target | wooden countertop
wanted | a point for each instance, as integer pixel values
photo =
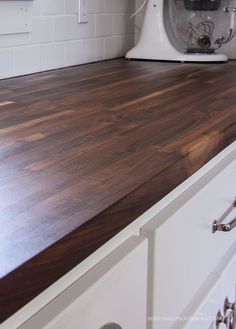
(85, 150)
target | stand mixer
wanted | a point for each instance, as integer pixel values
(185, 30)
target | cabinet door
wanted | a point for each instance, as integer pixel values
(113, 292)
(184, 251)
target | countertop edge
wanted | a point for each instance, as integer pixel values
(30, 279)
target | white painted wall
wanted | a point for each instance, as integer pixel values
(57, 40)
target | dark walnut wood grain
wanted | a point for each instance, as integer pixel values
(85, 150)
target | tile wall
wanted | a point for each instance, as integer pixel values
(57, 40)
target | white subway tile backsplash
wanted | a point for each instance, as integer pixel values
(36, 7)
(94, 50)
(74, 52)
(13, 40)
(42, 29)
(52, 56)
(103, 26)
(121, 24)
(116, 46)
(113, 47)
(127, 43)
(6, 63)
(71, 7)
(119, 6)
(96, 6)
(65, 27)
(57, 40)
(87, 30)
(27, 59)
(52, 7)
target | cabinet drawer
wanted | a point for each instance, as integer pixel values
(183, 251)
(224, 286)
(113, 291)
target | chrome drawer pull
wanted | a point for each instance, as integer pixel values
(229, 306)
(111, 326)
(228, 320)
(217, 225)
(223, 227)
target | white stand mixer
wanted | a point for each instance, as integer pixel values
(157, 41)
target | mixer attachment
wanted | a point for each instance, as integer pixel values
(200, 37)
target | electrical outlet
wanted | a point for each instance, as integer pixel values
(82, 11)
(15, 17)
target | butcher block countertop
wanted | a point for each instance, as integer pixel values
(85, 150)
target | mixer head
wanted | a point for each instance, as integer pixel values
(202, 5)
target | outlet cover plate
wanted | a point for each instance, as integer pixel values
(82, 11)
(15, 17)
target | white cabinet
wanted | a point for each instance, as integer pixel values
(114, 291)
(224, 286)
(183, 251)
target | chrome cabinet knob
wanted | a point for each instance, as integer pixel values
(228, 320)
(111, 326)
